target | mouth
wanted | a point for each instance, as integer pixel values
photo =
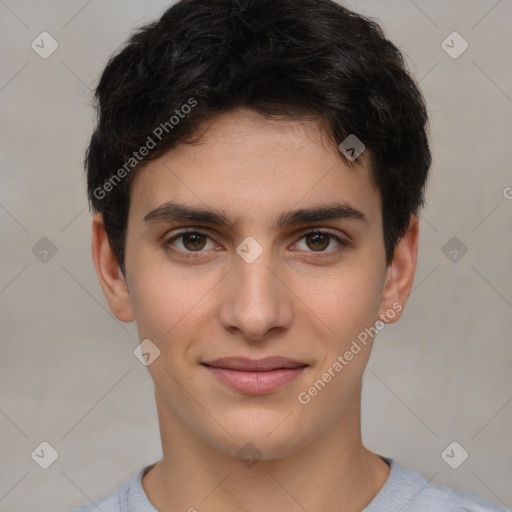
(255, 376)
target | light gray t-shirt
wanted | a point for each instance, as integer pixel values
(404, 491)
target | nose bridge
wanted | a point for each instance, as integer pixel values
(256, 279)
(256, 299)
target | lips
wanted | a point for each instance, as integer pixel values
(255, 376)
(255, 365)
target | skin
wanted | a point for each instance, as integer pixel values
(286, 302)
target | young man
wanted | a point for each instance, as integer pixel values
(256, 174)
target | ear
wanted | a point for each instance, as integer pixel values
(110, 276)
(400, 274)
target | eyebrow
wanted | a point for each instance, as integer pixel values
(172, 212)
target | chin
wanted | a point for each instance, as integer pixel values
(265, 435)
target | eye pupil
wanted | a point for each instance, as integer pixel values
(192, 240)
(316, 239)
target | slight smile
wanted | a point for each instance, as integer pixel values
(255, 376)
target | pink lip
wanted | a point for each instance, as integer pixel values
(255, 376)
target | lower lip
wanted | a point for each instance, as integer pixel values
(256, 383)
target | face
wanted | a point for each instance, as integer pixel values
(258, 243)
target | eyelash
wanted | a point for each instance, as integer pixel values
(343, 244)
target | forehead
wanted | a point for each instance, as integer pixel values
(248, 165)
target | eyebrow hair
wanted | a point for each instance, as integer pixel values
(171, 212)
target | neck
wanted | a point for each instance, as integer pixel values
(334, 472)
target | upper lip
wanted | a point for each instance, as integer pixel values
(255, 365)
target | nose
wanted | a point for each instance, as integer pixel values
(256, 300)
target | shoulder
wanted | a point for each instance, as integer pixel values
(409, 491)
(120, 500)
(439, 498)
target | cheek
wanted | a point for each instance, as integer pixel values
(345, 300)
(171, 304)
(158, 302)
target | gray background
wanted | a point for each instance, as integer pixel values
(68, 374)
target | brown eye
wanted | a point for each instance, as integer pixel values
(322, 244)
(189, 243)
(318, 241)
(194, 241)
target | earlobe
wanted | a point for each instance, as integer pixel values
(111, 278)
(400, 274)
